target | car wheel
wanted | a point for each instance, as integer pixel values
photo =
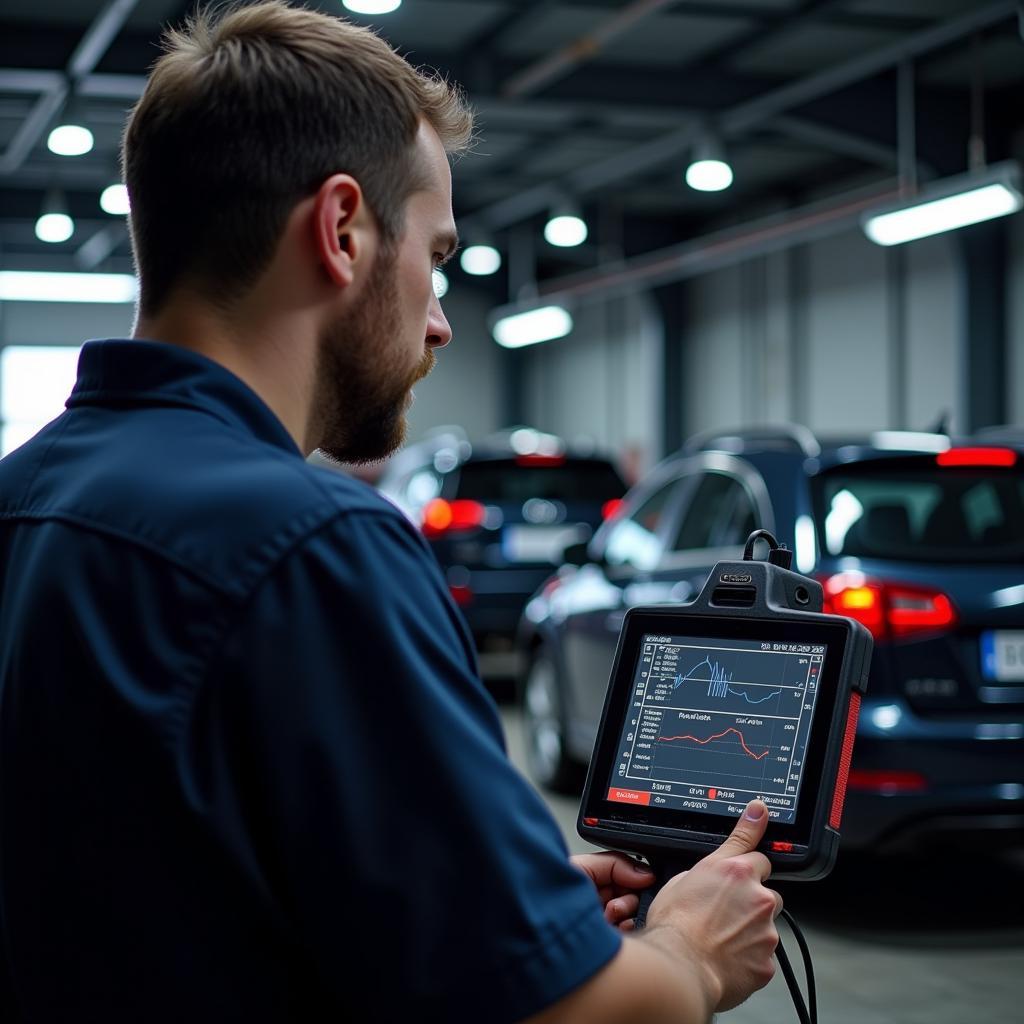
(547, 758)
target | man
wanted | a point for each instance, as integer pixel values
(247, 769)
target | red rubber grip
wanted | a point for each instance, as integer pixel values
(839, 795)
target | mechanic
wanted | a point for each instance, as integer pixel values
(248, 771)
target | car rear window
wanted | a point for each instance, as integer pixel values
(506, 480)
(912, 511)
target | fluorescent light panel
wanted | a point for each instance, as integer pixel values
(532, 327)
(31, 286)
(946, 206)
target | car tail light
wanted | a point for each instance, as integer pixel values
(540, 460)
(889, 611)
(887, 781)
(441, 517)
(610, 507)
(1005, 457)
(461, 595)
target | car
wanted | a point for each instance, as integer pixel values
(498, 514)
(918, 536)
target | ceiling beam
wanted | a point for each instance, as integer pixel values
(742, 117)
(84, 59)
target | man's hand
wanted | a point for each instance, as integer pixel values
(617, 879)
(724, 913)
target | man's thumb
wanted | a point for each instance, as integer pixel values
(748, 832)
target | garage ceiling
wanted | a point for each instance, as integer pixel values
(595, 100)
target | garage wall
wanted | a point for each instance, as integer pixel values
(62, 323)
(841, 335)
(464, 387)
(602, 383)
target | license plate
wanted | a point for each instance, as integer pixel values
(537, 543)
(1002, 655)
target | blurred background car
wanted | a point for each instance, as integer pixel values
(498, 514)
(918, 537)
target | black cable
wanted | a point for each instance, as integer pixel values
(805, 953)
(806, 1011)
(748, 550)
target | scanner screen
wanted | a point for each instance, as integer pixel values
(713, 723)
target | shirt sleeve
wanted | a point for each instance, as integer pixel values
(363, 767)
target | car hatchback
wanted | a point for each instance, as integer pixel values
(919, 538)
(498, 515)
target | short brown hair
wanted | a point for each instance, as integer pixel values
(247, 112)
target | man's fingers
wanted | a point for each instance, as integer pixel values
(627, 874)
(748, 832)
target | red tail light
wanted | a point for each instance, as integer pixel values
(540, 460)
(440, 516)
(610, 507)
(1005, 457)
(887, 781)
(889, 611)
(461, 595)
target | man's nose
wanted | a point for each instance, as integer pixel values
(439, 331)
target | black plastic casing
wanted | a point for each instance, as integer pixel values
(741, 600)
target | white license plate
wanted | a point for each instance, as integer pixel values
(1002, 655)
(537, 543)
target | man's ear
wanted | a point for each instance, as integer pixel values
(342, 227)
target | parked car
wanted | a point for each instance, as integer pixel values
(498, 514)
(920, 537)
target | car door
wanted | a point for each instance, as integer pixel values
(722, 511)
(593, 603)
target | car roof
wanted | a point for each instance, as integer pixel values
(833, 450)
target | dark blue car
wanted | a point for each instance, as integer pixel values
(498, 513)
(919, 537)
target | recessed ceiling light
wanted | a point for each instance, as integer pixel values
(372, 6)
(480, 260)
(114, 200)
(70, 140)
(566, 230)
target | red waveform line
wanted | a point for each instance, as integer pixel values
(718, 736)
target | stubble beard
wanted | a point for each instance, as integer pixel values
(363, 384)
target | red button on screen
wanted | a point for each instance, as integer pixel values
(629, 796)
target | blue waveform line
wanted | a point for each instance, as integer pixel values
(718, 683)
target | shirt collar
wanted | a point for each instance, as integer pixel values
(141, 372)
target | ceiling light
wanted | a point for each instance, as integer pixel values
(440, 280)
(29, 286)
(114, 200)
(372, 6)
(54, 225)
(709, 171)
(947, 205)
(70, 140)
(709, 175)
(480, 260)
(532, 327)
(565, 228)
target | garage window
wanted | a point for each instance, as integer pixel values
(35, 381)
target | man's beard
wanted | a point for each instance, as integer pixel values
(362, 384)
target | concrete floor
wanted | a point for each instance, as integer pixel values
(926, 941)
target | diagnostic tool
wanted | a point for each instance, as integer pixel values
(750, 691)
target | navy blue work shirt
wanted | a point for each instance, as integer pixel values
(248, 771)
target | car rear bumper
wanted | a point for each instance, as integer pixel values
(956, 778)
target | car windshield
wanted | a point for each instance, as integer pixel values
(915, 511)
(510, 480)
